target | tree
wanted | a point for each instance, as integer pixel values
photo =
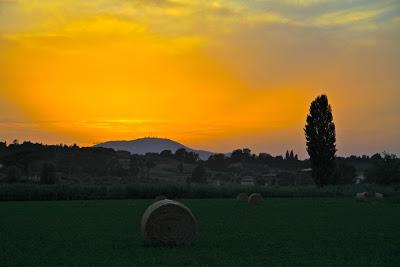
(345, 173)
(237, 155)
(180, 167)
(166, 153)
(191, 157)
(13, 174)
(180, 154)
(134, 167)
(149, 165)
(385, 171)
(217, 162)
(247, 153)
(48, 174)
(241, 154)
(376, 157)
(321, 141)
(199, 174)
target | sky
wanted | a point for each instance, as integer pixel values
(215, 75)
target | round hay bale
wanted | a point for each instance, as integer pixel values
(168, 223)
(242, 197)
(256, 199)
(160, 197)
(363, 196)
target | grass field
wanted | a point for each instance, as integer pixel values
(289, 232)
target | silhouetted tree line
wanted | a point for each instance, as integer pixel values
(181, 155)
(385, 170)
(221, 161)
(291, 156)
(49, 164)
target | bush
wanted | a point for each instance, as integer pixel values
(48, 174)
(19, 192)
(385, 171)
(345, 173)
(199, 175)
(13, 174)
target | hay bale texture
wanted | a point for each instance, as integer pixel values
(242, 197)
(160, 197)
(168, 223)
(363, 196)
(256, 199)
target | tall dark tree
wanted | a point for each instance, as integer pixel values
(321, 141)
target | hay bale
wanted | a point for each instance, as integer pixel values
(242, 197)
(160, 197)
(379, 195)
(363, 196)
(168, 223)
(255, 199)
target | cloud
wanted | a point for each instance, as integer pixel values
(188, 18)
(345, 17)
(306, 3)
(204, 67)
(267, 18)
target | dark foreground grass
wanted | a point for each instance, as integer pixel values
(281, 232)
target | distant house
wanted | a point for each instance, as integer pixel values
(247, 180)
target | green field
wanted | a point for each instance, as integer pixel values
(289, 232)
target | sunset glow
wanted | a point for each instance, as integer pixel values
(214, 75)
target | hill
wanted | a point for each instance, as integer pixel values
(142, 146)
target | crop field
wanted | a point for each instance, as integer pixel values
(282, 231)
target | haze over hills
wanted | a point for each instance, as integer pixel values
(142, 146)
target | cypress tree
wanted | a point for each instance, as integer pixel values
(321, 141)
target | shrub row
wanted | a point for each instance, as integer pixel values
(23, 192)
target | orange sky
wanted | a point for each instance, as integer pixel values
(215, 75)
